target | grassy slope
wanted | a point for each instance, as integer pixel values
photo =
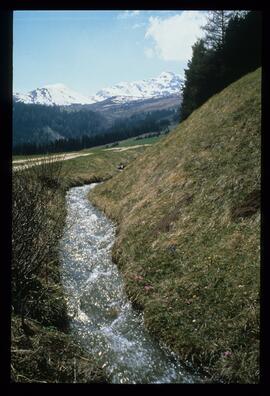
(189, 233)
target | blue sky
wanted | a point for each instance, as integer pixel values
(90, 50)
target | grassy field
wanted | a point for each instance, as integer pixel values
(188, 240)
(135, 142)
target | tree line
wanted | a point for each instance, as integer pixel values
(34, 123)
(78, 130)
(230, 49)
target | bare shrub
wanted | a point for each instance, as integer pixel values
(37, 218)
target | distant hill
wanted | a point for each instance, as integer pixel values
(55, 127)
(39, 124)
(188, 241)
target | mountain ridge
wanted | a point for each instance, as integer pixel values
(165, 85)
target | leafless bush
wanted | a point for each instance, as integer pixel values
(37, 218)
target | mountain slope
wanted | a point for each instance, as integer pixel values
(166, 84)
(188, 236)
(55, 94)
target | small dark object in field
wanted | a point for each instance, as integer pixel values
(250, 205)
(120, 166)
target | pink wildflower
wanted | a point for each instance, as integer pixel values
(148, 287)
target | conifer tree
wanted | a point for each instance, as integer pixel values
(230, 49)
(216, 27)
(202, 78)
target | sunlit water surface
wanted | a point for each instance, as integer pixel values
(102, 317)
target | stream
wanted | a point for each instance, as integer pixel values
(101, 315)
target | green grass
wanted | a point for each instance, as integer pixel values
(100, 165)
(134, 142)
(188, 240)
(127, 142)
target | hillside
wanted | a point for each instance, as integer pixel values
(56, 129)
(189, 233)
(43, 124)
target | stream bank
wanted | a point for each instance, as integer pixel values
(102, 318)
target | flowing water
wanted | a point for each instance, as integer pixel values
(101, 315)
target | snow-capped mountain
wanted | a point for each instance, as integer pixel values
(166, 84)
(55, 94)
